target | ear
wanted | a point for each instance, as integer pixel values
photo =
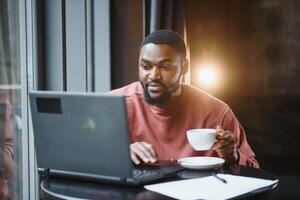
(185, 66)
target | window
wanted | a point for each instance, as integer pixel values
(10, 103)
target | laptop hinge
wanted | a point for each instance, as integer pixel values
(86, 176)
(44, 172)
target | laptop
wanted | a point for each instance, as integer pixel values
(85, 136)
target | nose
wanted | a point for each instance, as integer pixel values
(155, 74)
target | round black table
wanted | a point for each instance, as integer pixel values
(57, 188)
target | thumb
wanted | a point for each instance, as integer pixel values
(219, 128)
(220, 132)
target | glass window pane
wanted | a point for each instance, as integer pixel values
(10, 103)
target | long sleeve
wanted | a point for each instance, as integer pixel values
(246, 155)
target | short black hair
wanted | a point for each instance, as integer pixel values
(168, 37)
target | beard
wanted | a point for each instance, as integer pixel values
(160, 100)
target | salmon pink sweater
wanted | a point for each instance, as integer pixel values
(165, 126)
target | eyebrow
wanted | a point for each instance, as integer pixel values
(163, 61)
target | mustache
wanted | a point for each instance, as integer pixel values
(154, 83)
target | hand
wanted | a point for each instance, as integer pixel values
(225, 145)
(142, 152)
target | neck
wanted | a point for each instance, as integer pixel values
(176, 93)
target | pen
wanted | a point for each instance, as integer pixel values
(219, 178)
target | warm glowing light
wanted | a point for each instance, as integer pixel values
(208, 75)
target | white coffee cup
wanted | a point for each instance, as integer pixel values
(201, 139)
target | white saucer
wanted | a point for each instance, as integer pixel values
(201, 162)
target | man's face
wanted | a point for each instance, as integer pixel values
(160, 71)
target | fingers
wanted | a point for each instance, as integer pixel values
(142, 151)
(224, 135)
(150, 147)
(134, 158)
(225, 144)
(224, 149)
(146, 150)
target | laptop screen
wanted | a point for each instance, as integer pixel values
(81, 132)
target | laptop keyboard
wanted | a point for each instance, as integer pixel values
(145, 174)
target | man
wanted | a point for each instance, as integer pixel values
(6, 146)
(161, 108)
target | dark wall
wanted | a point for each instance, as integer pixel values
(258, 44)
(126, 35)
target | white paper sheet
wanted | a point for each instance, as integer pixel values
(210, 187)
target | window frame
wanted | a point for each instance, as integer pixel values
(27, 36)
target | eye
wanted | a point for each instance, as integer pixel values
(146, 67)
(167, 67)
